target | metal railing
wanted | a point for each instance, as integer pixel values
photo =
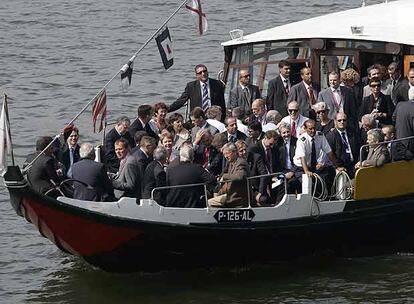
(383, 143)
(277, 174)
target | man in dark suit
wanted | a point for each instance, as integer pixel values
(69, 153)
(233, 193)
(255, 133)
(401, 93)
(340, 99)
(120, 130)
(344, 144)
(141, 123)
(267, 149)
(244, 93)
(146, 148)
(205, 154)
(305, 93)
(186, 173)
(279, 88)
(198, 119)
(42, 174)
(95, 184)
(155, 176)
(404, 123)
(395, 81)
(203, 92)
(129, 177)
(232, 134)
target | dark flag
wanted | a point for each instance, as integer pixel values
(99, 108)
(164, 44)
(126, 73)
(5, 137)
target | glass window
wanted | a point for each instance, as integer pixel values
(330, 64)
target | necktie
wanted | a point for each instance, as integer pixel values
(206, 156)
(347, 157)
(286, 86)
(205, 100)
(232, 139)
(313, 156)
(293, 129)
(246, 95)
(268, 160)
(311, 96)
(71, 155)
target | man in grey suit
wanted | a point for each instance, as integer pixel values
(340, 99)
(305, 93)
(198, 119)
(279, 88)
(244, 93)
(395, 81)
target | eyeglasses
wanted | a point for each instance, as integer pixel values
(341, 120)
(201, 72)
(293, 110)
(374, 85)
(320, 112)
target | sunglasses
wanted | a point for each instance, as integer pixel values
(320, 112)
(201, 72)
(293, 110)
(374, 85)
(341, 120)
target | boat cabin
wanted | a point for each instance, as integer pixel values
(356, 38)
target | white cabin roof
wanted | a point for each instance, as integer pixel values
(387, 22)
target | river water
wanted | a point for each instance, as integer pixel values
(55, 56)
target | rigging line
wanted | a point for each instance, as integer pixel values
(103, 88)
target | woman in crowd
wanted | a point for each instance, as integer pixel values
(166, 140)
(181, 134)
(351, 79)
(324, 124)
(378, 154)
(158, 122)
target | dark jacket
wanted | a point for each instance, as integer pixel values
(334, 139)
(111, 159)
(238, 98)
(42, 172)
(277, 96)
(130, 178)
(93, 174)
(137, 126)
(384, 105)
(155, 177)
(258, 148)
(64, 157)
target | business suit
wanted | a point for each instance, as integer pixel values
(213, 162)
(154, 177)
(93, 174)
(392, 86)
(348, 101)
(239, 136)
(334, 139)
(192, 92)
(112, 161)
(257, 168)
(64, 156)
(401, 91)
(293, 183)
(137, 126)
(142, 158)
(184, 174)
(259, 149)
(404, 123)
(251, 141)
(384, 105)
(277, 96)
(238, 98)
(377, 156)
(206, 126)
(42, 172)
(129, 178)
(299, 93)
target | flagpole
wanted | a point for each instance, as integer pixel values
(6, 106)
(112, 78)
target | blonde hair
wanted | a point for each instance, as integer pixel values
(349, 75)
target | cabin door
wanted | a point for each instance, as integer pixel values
(325, 62)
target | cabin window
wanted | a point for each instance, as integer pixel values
(333, 63)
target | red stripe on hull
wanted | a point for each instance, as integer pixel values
(77, 235)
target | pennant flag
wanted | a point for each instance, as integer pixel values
(164, 44)
(197, 11)
(126, 74)
(5, 138)
(99, 108)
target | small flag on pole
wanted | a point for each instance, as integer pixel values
(5, 138)
(197, 11)
(164, 44)
(126, 73)
(99, 108)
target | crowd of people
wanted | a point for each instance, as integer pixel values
(222, 156)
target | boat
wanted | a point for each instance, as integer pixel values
(372, 215)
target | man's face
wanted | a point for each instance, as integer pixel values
(411, 77)
(293, 109)
(231, 126)
(73, 138)
(340, 121)
(120, 151)
(333, 81)
(393, 73)
(146, 119)
(310, 128)
(388, 135)
(285, 132)
(123, 127)
(198, 122)
(307, 76)
(207, 139)
(375, 73)
(285, 71)
(253, 133)
(269, 142)
(229, 155)
(202, 74)
(257, 109)
(244, 77)
(149, 148)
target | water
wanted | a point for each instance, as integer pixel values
(54, 57)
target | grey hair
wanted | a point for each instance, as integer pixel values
(87, 150)
(186, 153)
(368, 119)
(320, 106)
(214, 112)
(376, 134)
(273, 116)
(229, 147)
(122, 119)
(160, 154)
(284, 125)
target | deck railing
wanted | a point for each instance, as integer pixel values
(383, 143)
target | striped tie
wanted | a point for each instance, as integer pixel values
(205, 100)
